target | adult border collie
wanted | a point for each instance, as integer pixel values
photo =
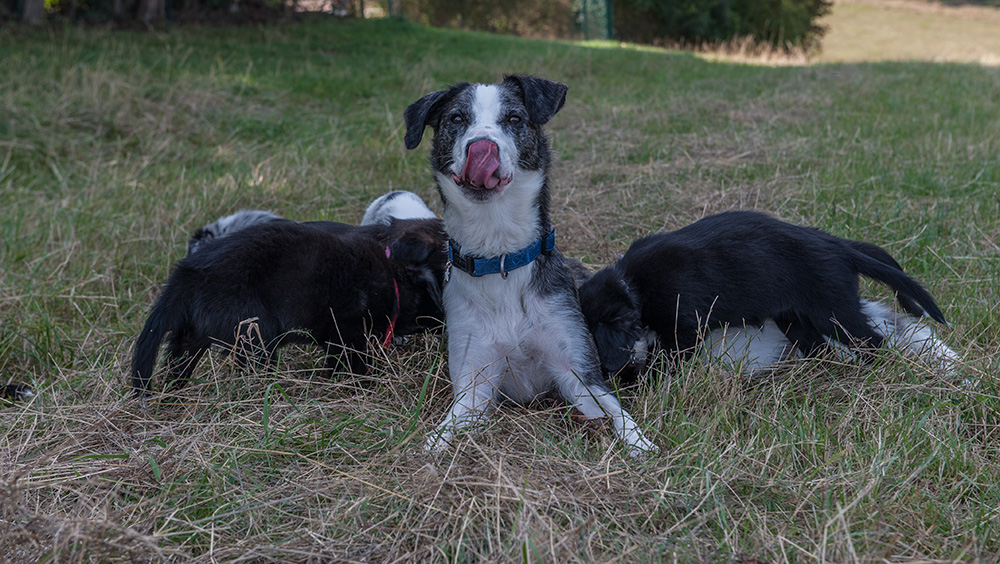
(748, 272)
(515, 330)
(286, 282)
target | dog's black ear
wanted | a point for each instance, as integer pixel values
(614, 345)
(412, 249)
(201, 235)
(542, 97)
(426, 111)
(432, 282)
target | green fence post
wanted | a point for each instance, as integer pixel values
(609, 13)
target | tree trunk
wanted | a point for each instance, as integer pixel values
(151, 10)
(34, 12)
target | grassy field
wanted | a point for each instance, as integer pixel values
(114, 147)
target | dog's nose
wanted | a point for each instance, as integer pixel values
(482, 163)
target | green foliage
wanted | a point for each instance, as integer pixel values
(516, 17)
(777, 22)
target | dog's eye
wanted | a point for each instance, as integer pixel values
(514, 119)
(456, 118)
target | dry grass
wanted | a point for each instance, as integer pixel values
(915, 30)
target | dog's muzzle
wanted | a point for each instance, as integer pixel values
(482, 167)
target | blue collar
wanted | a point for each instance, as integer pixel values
(480, 266)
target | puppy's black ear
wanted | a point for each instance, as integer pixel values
(426, 111)
(412, 249)
(542, 97)
(614, 346)
(200, 236)
(432, 283)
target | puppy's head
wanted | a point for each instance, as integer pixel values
(485, 135)
(200, 236)
(418, 247)
(613, 316)
(227, 225)
(398, 204)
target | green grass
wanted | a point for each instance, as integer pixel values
(114, 147)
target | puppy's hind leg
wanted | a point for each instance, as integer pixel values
(183, 354)
(912, 338)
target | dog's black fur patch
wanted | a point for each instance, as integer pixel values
(16, 392)
(738, 268)
(332, 281)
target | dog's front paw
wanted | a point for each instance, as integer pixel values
(439, 440)
(642, 449)
(636, 444)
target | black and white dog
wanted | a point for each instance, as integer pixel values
(227, 225)
(515, 330)
(15, 392)
(288, 282)
(746, 281)
(398, 204)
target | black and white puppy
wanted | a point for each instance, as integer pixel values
(227, 225)
(749, 349)
(515, 330)
(398, 204)
(748, 274)
(321, 282)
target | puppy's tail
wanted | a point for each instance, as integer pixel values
(874, 262)
(880, 254)
(146, 348)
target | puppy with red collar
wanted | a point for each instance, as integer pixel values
(327, 283)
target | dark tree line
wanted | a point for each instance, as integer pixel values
(781, 23)
(138, 11)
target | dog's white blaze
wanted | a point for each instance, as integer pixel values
(505, 223)
(486, 113)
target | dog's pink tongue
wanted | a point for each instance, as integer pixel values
(481, 165)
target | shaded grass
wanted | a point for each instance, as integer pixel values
(115, 147)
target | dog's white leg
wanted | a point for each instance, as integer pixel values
(594, 402)
(475, 390)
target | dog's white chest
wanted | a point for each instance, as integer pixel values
(501, 322)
